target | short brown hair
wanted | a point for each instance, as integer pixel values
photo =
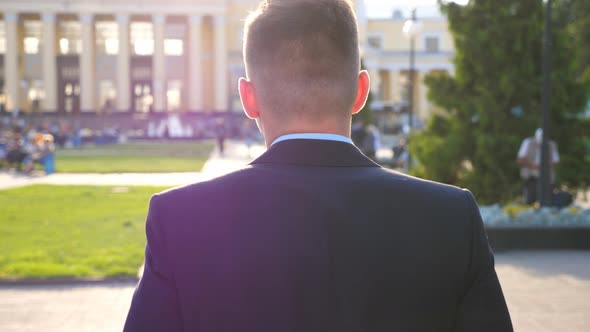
(303, 55)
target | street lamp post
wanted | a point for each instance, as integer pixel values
(411, 29)
(545, 181)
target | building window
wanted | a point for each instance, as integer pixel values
(2, 37)
(143, 97)
(32, 36)
(174, 96)
(375, 41)
(107, 93)
(142, 38)
(36, 95)
(173, 47)
(31, 45)
(71, 97)
(64, 46)
(143, 47)
(432, 44)
(71, 37)
(107, 37)
(174, 36)
(111, 46)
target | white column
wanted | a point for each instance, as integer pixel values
(375, 83)
(396, 86)
(220, 58)
(11, 65)
(123, 72)
(49, 63)
(159, 64)
(423, 106)
(195, 64)
(87, 87)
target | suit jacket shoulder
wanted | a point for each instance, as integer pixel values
(313, 236)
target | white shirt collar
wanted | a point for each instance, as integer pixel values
(316, 136)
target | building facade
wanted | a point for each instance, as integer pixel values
(386, 53)
(109, 56)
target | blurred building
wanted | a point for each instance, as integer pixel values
(386, 53)
(110, 56)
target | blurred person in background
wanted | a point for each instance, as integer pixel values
(529, 159)
(400, 154)
(373, 141)
(220, 134)
(249, 135)
(358, 132)
(366, 137)
(43, 149)
(16, 153)
(3, 148)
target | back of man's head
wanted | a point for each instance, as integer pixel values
(303, 56)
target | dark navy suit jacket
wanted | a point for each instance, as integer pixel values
(314, 236)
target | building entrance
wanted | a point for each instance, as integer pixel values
(143, 98)
(2, 98)
(142, 89)
(71, 96)
(2, 93)
(68, 84)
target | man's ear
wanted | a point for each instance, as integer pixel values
(248, 97)
(362, 93)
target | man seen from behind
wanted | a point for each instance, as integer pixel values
(313, 235)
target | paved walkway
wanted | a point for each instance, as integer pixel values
(236, 156)
(81, 308)
(545, 291)
(11, 180)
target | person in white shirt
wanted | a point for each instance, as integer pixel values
(529, 158)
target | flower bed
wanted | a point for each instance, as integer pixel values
(526, 216)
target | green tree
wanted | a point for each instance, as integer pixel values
(576, 14)
(492, 102)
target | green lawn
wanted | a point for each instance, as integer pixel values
(135, 158)
(72, 231)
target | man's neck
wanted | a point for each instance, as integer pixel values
(271, 133)
(270, 139)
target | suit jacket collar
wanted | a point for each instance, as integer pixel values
(309, 152)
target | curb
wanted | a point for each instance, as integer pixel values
(70, 281)
(65, 281)
(539, 238)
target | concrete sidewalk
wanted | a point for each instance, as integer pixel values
(8, 180)
(545, 292)
(236, 156)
